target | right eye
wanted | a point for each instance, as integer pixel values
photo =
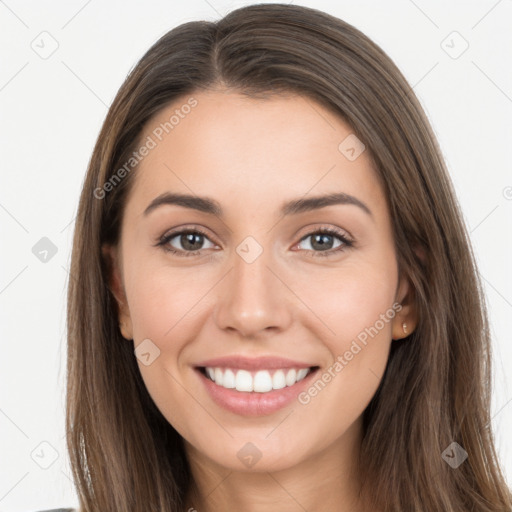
(187, 239)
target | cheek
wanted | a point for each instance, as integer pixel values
(352, 300)
(163, 304)
(160, 300)
(357, 307)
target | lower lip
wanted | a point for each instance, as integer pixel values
(254, 403)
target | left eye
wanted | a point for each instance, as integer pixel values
(321, 240)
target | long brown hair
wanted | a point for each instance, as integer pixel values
(124, 454)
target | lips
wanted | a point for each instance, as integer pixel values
(254, 386)
(252, 403)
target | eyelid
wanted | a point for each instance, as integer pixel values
(311, 230)
(184, 229)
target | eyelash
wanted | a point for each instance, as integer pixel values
(347, 243)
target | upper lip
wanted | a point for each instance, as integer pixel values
(256, 363)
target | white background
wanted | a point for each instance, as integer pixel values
(51, 111)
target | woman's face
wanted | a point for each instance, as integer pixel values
(259, 286)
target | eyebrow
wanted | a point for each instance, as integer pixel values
(296, 206)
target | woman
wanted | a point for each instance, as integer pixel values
(274, 303)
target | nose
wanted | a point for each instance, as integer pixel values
(253, 298)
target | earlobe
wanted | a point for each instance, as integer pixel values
(401, 330)
(115, 285)
(405, 320)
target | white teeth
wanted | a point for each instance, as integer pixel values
(302, 373)
(229, 379)
(279, 380)
(261, 382)
(291, 377)
(243, 380)
(218, 376)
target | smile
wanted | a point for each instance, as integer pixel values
(254, 392)
(261, 381)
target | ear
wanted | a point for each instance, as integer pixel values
(408, 315)
(115, 283)
(406, 296)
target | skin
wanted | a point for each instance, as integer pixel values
(251, 156)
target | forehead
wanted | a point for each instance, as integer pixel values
(251, 152)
